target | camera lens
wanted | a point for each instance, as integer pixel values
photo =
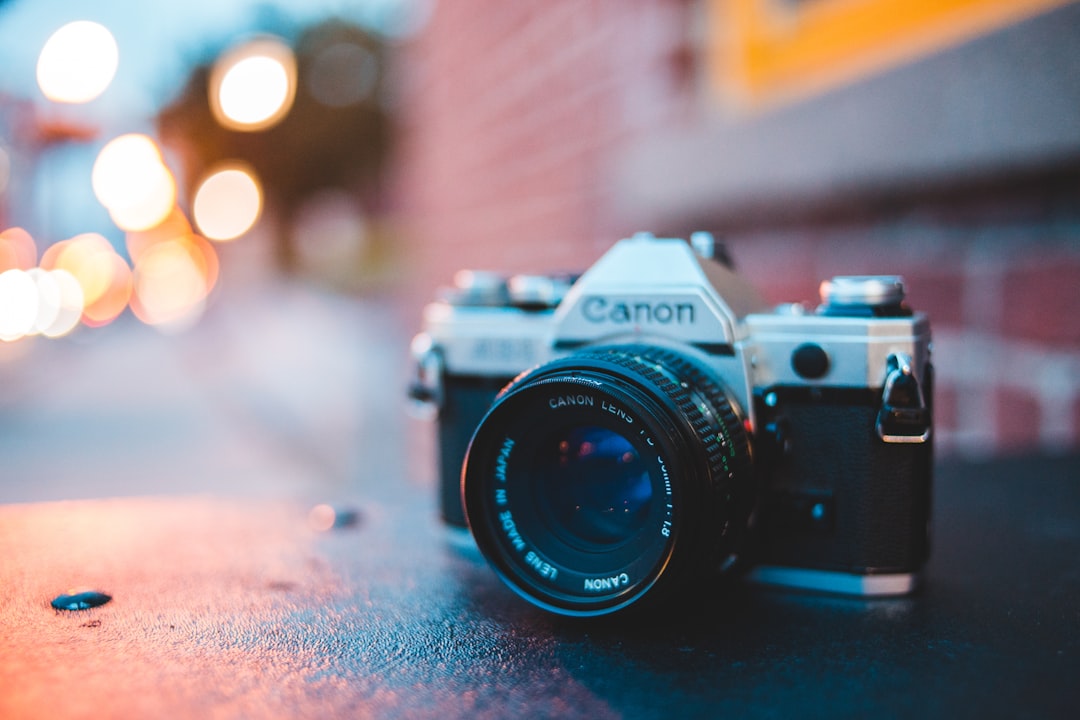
(607, 479)
(597, 491)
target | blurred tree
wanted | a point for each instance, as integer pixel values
(337, 134)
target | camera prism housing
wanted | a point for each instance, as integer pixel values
(613, 439)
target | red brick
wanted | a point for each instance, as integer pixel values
(783, 267)
(945, 410)
(1018, 420)
(1042, 300)
(510, 113)
(937, 291)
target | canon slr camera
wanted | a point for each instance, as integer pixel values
(624, 436)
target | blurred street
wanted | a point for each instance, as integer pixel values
(281, 391)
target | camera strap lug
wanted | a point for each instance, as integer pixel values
(904, 417)
(426, 386)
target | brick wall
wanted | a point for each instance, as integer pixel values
(513, 115)
(510, 112)
(1001, 297)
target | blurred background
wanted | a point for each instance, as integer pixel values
(221, 220)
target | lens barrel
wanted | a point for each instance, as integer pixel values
(608, 479)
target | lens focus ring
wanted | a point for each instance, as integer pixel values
(714, 421)
(703, 403)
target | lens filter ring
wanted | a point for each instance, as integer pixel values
(592, 479)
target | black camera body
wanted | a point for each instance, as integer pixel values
(619, 437)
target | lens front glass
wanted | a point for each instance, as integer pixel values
(592, 487)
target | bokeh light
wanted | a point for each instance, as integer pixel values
(227, 203)
(174, 272)
(110, 303)
(253, 90)
(130, 179)
(17, 250)
(77, 62)
(70, 309)
(169, 286)
(103, 275)
(18, 304)
(151, 207)
(49, 299)
(253, 85)
(173, 226)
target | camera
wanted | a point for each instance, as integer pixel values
(621, 437)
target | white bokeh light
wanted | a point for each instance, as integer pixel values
(77, 62)
(49, 299)
(18, 304)
(70, 309)
(253, 85)
(227, 203)
(130, 179)
(253, 90)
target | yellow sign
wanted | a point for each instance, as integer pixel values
(770, 50)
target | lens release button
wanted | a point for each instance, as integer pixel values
(810, 361)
